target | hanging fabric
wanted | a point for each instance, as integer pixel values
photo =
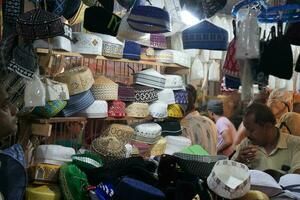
(214, 71)
(197, 70)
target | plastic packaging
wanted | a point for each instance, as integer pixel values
(35, 93)
(248, 35)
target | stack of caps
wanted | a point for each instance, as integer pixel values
(78, 103)
(144, 94)
(158, 110)
(109, 148)
(58, 42)
(112, 47)
(98, 109)
(137, 110)
(126, 93)
(176, 144)
(105, 89)
(117, 109)
(78, 79)
(151, 78)
(148, 133)
(175, 111)
(122, 132)
(86, 43)
(173, 56)
(47, 162)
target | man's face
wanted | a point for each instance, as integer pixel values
(8, 118)
(256, 133)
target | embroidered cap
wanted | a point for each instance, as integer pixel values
(205, 35)
(105, 89)
(24, 61)
(112, 47)
(181, 96)
(144, 94)
(78, 79)
(137, 110)
(99, 109)
(150, 78)
(122, 132)
(86, 43)
(109, 23)
(166, 96)
(126, 93)
(148, 133)
(117, 109)
(39, 24)
(173, 56)
(132, 51)
(175, 111)
(149, 19)
(158, 110)
(110, 148)
(51, 108)
(174, 82)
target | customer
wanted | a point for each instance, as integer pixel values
(226, 130)
(11, 181)
(290, 123)
(280, 101)
(199, 129)
(266, 147)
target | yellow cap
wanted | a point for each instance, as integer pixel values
(44, 192)
(254, 195)
(175, 111)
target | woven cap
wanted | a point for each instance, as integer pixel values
(234, 183)
(138, 110)
(109, 147)
(117, 109)
(87, 160)
(105, 89)
(78, 79)
(122, 132)
(175, 111)
(39, 24)
(144, 94)
(159, 147)
(147, 132)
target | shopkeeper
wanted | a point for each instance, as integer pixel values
(266, 147)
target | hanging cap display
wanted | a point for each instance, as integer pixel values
(205, 35)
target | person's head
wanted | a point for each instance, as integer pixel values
(215, 108)
(192, 96)
(289, 123)
(258, 120)
(280, 101)
(8, 115)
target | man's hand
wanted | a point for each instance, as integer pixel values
(247, 154)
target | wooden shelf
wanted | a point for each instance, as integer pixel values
(65, 53)
(84, 119)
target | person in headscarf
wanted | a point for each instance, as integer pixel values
(280, 101)
(289, 123)
(199, 129)
(226, 130)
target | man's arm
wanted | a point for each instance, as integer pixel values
(227, 141)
